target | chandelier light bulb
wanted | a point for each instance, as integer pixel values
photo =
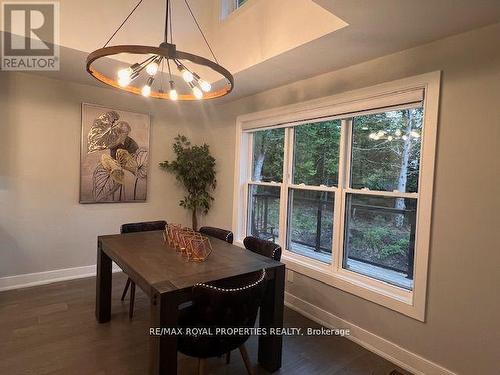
(124, 80)
(128, 72)
(205, 86)
(187, 75)
(197, 92)
(146, 89)
(173, 92)
(125, 73)
(152, 68)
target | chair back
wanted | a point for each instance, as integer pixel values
(144, 226)
(266, 248)
(232, 302)
(221, 234)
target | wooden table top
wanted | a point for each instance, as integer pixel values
(150, 262)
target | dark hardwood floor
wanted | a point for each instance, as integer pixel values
(51, 329)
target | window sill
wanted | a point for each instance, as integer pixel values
(383, 294)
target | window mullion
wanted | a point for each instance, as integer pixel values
(287, 168)
(249, 157)
(344, 175)
(347, 143)
(246, 192)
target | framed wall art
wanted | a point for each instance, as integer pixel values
(114, 155)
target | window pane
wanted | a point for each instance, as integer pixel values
(267, 163)
(386, 151)
(316, 153)
(380, 238)
(264, 212)
(310, 223)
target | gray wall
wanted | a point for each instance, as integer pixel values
(462, 329)
(42, 225)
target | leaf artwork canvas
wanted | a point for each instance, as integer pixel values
(114, 155)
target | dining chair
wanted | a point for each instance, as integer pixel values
(228, 303)
(221, 234)
(144, 226)
(266, 248)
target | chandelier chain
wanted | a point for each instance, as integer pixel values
(167, 17)
(170, 19)
(123, 23)
(201, 31)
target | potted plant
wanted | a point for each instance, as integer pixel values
(194, 168)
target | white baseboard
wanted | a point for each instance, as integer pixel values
(47, 277)
(394, 353)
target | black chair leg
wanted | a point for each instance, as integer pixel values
(132, 299)
(126, 289)
(246, 359)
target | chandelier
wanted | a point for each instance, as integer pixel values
(141, 77)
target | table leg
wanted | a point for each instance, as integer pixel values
(103, 286)
(163, 349)
(271, 315)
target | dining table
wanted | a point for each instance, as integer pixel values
(168, 279)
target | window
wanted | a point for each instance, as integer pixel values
(386, 150)
(263, 212)
(345, 185)
(316, 154)
(267, 155)
(264, 187)
(311, 193)
(229, 6)
(310, 223)
(379, 237)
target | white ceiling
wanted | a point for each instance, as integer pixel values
(268, 43)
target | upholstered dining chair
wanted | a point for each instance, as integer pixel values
(144, 226)
(226, 303)
(221, 234)
(266, 248)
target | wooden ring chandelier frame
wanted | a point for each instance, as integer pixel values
(166, 51)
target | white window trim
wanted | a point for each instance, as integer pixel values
(410, 303)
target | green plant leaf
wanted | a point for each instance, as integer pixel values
(194, 169)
